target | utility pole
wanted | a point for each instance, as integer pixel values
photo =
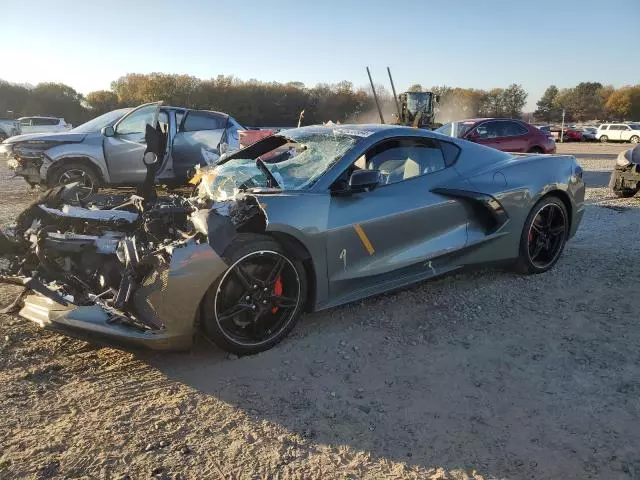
(562, 128)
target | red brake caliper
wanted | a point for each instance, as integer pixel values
(277, 290)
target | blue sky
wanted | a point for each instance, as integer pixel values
(465, 43)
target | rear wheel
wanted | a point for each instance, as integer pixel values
(604, 139)
(258, 300)
(544, 236)
(634, 139)
(536, 150)
(77, 172)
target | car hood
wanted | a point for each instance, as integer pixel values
(48, 137)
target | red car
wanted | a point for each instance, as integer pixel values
(572, 135)
(503, 134)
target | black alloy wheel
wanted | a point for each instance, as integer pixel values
(257, 299)
(546, 236)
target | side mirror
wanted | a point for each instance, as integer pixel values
(108, 131)
(364, 180)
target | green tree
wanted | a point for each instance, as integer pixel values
(493, 104)
(547, 109)
(416, 87)
(56, 99)
(585, 101)
(12, 99)
(514, 98)
(101, 101)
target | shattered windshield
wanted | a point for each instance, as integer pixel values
(305, 155)
(109, 118)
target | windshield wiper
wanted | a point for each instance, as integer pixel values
(262, 166)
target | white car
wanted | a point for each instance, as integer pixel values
(43, 124)
(619, 132)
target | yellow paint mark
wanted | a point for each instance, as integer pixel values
(364, 239)
(263, 205)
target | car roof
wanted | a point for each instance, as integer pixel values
(185, 109)
(357, 129)
(39, 116)
(477, 120)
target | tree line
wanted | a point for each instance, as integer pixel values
(256, 103)
(589, 101)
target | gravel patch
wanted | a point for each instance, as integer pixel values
(484, 374)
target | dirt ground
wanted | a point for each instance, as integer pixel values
(483, 375)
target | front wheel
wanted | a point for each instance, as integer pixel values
(258, 300)
(89, 182)
(604, 139)
(544, 236)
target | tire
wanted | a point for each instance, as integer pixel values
(528, 261)
(635, 139)
(625, 192)
(71, 172)
(535, 150)
(604, 139)
(252, 257)
(3, 136)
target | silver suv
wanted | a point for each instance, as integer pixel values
(108, 150)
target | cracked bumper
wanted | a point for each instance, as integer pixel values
(27, 169)
(167, 301)
(93, 323)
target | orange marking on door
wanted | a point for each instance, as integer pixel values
(364, 239)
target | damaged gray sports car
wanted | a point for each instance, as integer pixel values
(307, 219)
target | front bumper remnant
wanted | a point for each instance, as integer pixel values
(93, 322)
(166, 304)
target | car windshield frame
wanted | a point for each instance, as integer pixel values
(304, 156)
(96, 124)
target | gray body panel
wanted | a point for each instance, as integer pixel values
(416, 233)
(358, 245)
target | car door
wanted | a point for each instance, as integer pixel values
(48, 125)
(514, 136)
(614, 132)
(625, 133)
(395, 232)
(198, 141)
(488, 134)
(25, 125)
(233, 135)
(125, 148)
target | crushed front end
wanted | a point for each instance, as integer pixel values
(25, 159)
(131, 273)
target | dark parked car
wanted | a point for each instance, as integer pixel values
(503, 134)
